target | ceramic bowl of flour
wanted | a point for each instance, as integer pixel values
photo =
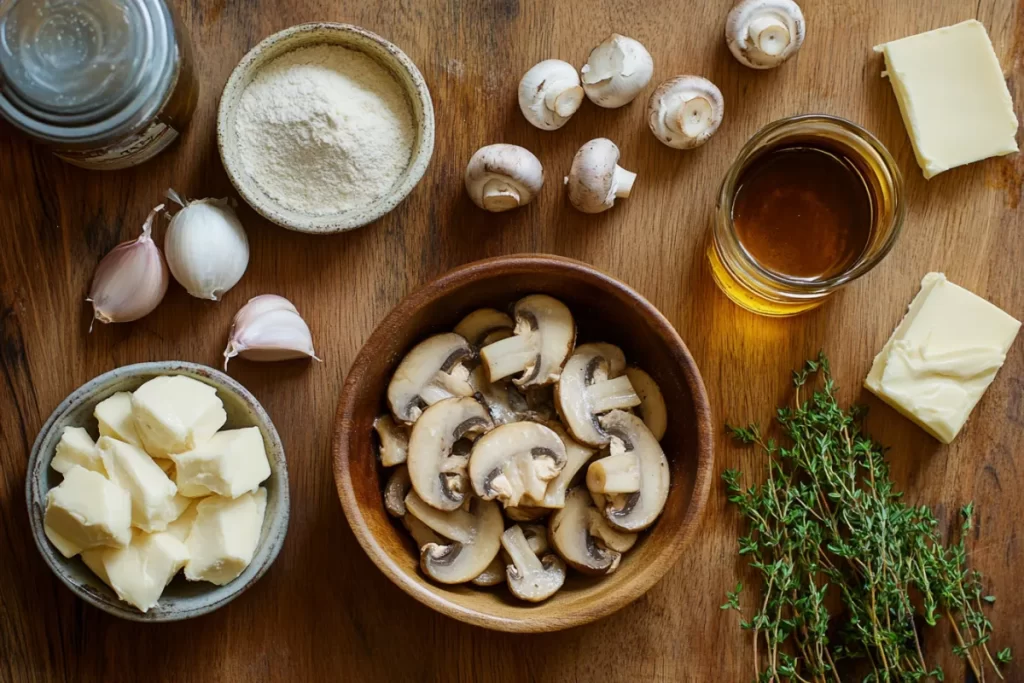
(325, 127)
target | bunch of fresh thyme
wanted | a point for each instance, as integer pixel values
(828, 527)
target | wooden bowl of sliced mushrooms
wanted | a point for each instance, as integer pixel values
(524, 444)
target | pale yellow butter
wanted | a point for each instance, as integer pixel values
(155, 499)
(76, 447)
(951, 92)
(174, 414)
(139, 572)
(114, 416)
(942, 356)
(229, 464)
(86, 511)
(224, 536)
(182, 526)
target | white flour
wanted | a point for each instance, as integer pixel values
(323, 129)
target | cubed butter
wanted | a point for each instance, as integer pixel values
(224, 536)
(114, 415)
(174, 414)
(942, 356)
(229, 464)
(76, 447)
(952, 95)
(87, 511)
(155, 500)
(182, 526)
(139, 572)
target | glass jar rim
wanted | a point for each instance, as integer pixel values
(796, 286)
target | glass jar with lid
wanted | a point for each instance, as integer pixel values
(106, 84)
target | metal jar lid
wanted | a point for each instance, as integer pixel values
(84, 73)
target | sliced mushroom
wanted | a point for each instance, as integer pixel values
(544, 337)
(550, 93)
(530, 578)
(652, 404)
(595, 178)
(524, 513)
(420, 532)
(685, 111)
(396, 490)
(515, 459)
(500, 398)
(762, 34)
(616, 71)
(536, 537)
(617, 473)
(474, 538)
(584, 539)
(439, 476)
(502, 177)
(482, 323)
(612, 353)
(577, 456)
(433, 371)
(586, 389)
(493, 575)
(636, 511)
(394, 441)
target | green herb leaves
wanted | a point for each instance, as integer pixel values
(847, 569)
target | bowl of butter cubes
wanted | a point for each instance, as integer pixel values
(158, 491)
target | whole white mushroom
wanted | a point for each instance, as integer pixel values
(596, 179)
(550, 93)
(502, 177)
(685, 111)
(764, 33)
(616, 71)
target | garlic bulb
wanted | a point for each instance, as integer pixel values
(269, 328)
(206, 247)
(131, 280)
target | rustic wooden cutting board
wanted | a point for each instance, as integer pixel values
(323, 612)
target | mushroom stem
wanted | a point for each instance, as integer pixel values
(618, 473)
(518, 548)
(770, 34)
(499, 196)
(564, 102)
(612, 394)
(508, 356)
(622, 181)
(689, 117)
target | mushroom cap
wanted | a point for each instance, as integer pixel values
(493, 575)
(550, 93)
(762, 34)
(639, 510)
(420, 532)
(394, 441)
(437, 476)
(612, 353)
(515, 459)
(580, 536)
(595, 178)
(577, 455)
(586, 389)
(502, 177)
(544, 337)
(685, 111)
(652, 404)
(476, 326)
(464, 559)
(530, 577)
(616, 71)
(430, 372)
(396, 490)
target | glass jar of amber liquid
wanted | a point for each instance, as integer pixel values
(106, 84)
(811, 203)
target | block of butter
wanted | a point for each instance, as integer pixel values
(155, 499)
(86, 511)
(175, 413)
(182, 526)
(139, 572)
(952, 95)
(224, 536)
(229, 464)
(942, 356)
(114, 415)
(76, 447)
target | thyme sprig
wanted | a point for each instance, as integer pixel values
(828, 527)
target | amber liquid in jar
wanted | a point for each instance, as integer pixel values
(803, 212)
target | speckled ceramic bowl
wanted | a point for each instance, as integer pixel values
(355, 38)
(181, 599)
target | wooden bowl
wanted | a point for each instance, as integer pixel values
(605, 310)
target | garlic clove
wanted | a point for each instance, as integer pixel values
(550, 93)
(762, 34)
(685, 111)
(269, 328)
(616, 71)
(130, 281)
(206, 247)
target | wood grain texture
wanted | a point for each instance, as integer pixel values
(323, 611)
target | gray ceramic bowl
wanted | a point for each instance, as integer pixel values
(354, 38)
(181, 599)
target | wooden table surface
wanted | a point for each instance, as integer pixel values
(323, 611)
